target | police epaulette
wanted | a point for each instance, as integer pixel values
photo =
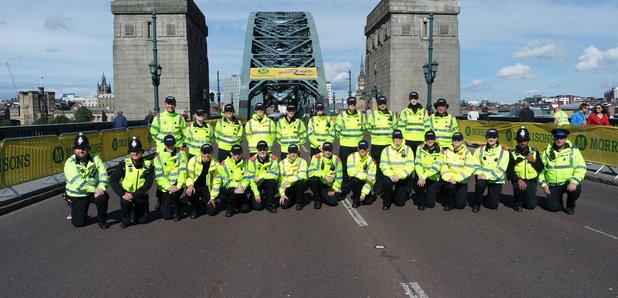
(317, 155)
(505, 147)
(253, 158)
(273, 157)
(223, 162)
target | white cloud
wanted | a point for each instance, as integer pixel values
(337, 74)
(58, 22)
(533, 91)
(474, 86)
(517, 71)
(593, 58)
(542, 50)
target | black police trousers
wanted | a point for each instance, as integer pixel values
(79, 208)
(320, 192)
(493, 194)
(525, 198)
(222, 154)
(240, 202)
(268, 189)
(555, 200)
(413, 145)
(200, 198)
(427, 194)
(344, 152)
(138, 208)
(456, 194)
(376, 153)
(399, 195)
(170, 203)
(295, 194)
(356, 186)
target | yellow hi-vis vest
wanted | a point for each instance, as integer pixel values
(363, 168)
(444, 126)
(168, 124)
(135, 178)
(291, 172)
(194, 170)
(459, 165)
(196, 136)
(170, 169)
(413, 125)
(350, 128)
(267, 170)
(522, 167)
(397, 161)
(493, 163)
(428, 162)
(563, 118)
(321, 167)
(564, 166)
(381, 126)
(83, 180)
(289, 133)
(232, 174)
(320, 129)
(257, 130)
(228, 134)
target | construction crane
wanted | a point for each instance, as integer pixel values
(12, 78)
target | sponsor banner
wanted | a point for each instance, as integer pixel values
(26, 159)
(297, 73)
(598, 144)
(143, 134)
(113, 143)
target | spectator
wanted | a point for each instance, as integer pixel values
(560, 117)
(484, 116)
(120, 121)
(579, 117)
(148, 118)
(526, 114)
(473, 114)
(598, 117)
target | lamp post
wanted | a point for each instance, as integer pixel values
(431, 67)
(155, 68)
(334, 103)
(374, 94)
(349, 82)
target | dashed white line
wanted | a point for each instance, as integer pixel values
(413, 289)
(355, 215)
(601, 232)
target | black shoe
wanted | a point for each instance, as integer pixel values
(299, 206)
(103, 225)
(421, 207)
(475, 209)
(271, 209)
(448, 208)
(229, 213)
(386, 206)
(317, 205)
(570, 211)
(176, 218)
(124, 225)
(356, 205)
(193, 215)
(518, 209)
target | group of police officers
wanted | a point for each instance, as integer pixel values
(410, 151)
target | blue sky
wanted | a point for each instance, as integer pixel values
(509, 49)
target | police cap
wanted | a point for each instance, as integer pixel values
(430, 135)
(81, 142)
(522, 134)
(457, 136)
(397, 134)
(351, 100)
(206, 148)
(236, 149)
(170, 99)
(169, 140)
(135, 145)
(363, 144)
(491, 133)
(293, 148)
(560, 133)
(262, 145)
(328, 146)
(229, 108)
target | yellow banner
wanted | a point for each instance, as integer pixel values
(113, 143)
(25, 160)
(298, 73)
(598, 144)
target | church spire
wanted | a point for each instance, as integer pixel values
(362, 66)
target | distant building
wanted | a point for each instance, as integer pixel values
(104, 87)
(361, 92)
(35, 104)
(231, 91)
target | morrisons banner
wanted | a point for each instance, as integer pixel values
(298, 73)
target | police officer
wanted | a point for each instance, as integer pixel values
(525, 164)
(87, 180)
(458, 166)
(362, 172)
(228, 132)
(198, 133)
(290, 130)
(260, 128)
(131, 181)
(292, 179)
(349, 129)
(233, 183)
(325, 176)
(564, 172)
(381, 124)
(202, 182)
(413, 122)
(171, 175)
(320, 129)
(491, 174)
(263, 172)
(443, 124)
(168, 123)
(428, 162)
(397, 164)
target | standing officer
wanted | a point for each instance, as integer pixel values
(443, 124)
(397, 164)
(525, 164)
(201, 182)
(260, 128)
(233, 183)
(362, 172)
(428, 162)
(131, 181)
(198, 133)
(87, 180)
(263, 172)
(458, 166)
(290, 130)
(228, 132)
(414, 122)
(491, 174)
(292, 179)
(325, 176)
(171, 175)
(381, 124)
(320, 129)
(168, 123)
(349, 128)
(564, 171)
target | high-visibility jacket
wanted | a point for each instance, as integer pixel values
(289, 133)
(363, 168)
(195, 168)
(493, 163)
(521, 168)
(444, 126)
(269, 169)
(170, 169)
(397, 161)
(167, 123)
(563, 118)
(196, 136)
(232, 173)
(350, 128)
(413, 125)
(291, 171)
(228, 134)
(257, 129)
(460, 164)
(381, 125)
(564, 166)
(428, 162)
(134, 178)
(321, 167)
(320, 129)
(84, 179)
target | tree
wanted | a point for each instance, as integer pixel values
(5, 123)
(83, 114)
(61, 119)
(45, 119)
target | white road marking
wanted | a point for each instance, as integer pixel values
(413, 290)
(355, 215)
(601, 232)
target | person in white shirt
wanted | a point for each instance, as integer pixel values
(473, 114)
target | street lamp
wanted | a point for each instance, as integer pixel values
(334, 103)
(431, 67)
(155, 71)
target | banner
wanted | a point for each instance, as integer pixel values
(598, 144)
(298, 73)
(114, 143)
(26, 159)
